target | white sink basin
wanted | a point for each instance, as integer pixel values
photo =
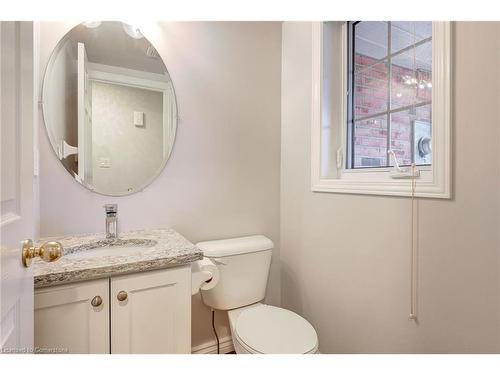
(107, 251)
(110, 247)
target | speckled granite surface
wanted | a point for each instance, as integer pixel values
(160, 248)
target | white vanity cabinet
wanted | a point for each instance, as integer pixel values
(66, 320)
(146, 312)
(151, 312)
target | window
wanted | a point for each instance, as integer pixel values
(390, 93)
(381, 91)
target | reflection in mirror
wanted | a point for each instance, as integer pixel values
(109, 107)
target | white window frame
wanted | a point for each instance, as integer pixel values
(433, 181)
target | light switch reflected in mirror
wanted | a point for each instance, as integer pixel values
(109, 107)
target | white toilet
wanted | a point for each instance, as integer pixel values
(256, 328)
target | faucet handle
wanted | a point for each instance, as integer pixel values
(111, 208)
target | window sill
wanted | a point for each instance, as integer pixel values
(389, 187)
(381, 182)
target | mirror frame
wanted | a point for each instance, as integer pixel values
(46, 117)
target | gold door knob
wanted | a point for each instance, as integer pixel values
(96, 301)
(122, 296)
(49, 251)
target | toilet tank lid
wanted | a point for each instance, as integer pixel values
(235, 246)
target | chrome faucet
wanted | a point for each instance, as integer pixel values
(111, 220)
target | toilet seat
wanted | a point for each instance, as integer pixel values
(267, 329)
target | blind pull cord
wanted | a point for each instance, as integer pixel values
(413, 252)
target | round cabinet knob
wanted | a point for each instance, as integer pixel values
(122, 296)
(96, 301)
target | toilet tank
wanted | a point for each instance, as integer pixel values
(243, 265)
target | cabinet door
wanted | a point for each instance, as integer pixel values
(154, 314)
(66, 320)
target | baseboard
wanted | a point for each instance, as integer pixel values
(225, 346)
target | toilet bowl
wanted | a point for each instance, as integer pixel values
(243, 264)
(264, 329)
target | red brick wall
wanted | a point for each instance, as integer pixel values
(371, 94)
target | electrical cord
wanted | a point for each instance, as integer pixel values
(215, 331)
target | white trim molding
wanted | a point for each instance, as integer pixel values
(433, 181)
(128, 77)
(225, 346)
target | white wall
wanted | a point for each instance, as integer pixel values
(345, 258)
(136, 150)
(223, 176)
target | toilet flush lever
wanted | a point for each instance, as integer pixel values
(218, 261)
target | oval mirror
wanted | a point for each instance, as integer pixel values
(109, 107)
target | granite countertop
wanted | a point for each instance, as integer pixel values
(161, 248)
